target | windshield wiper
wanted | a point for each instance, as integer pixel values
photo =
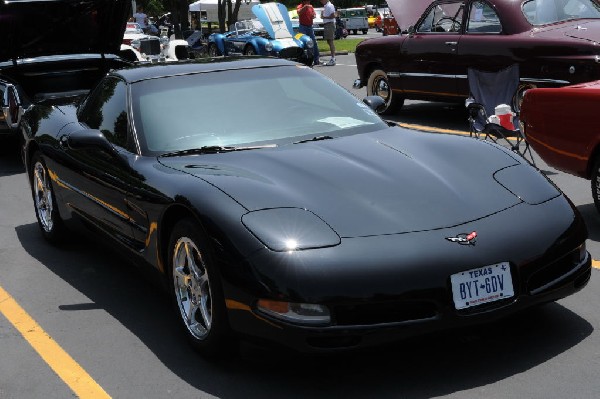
(215, 149)
(316, 138)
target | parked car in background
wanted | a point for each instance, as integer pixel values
(296, 215)
(561, 126)
(56, 61)
(554, 42)
(133, 31)
(355, 19)
(317, 21)
(271, 34)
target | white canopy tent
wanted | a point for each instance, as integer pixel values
(208, 9)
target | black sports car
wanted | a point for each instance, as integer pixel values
(298, 215)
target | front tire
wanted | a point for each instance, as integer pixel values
(379, 85)
(44, 201)
(249, 50)
(196, 290)
(213, 51)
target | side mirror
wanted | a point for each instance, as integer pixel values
(89, 139)
(11, 108)
(376, 103)
(411, 30)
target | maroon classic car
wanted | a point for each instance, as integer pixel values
(554, 42)
(561, 126)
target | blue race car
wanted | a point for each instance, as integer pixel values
(270, 34)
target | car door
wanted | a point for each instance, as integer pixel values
(484, 45)
(99, 179)
(429, 52)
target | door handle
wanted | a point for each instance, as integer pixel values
(451, 43)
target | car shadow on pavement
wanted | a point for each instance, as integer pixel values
(10, 158)
(433, 365)
(592, 220)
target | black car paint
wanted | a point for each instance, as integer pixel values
(394, 255)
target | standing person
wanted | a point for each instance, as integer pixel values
(306, 15)
(141, 18)
(328, 16)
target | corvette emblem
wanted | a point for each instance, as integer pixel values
(464, 238)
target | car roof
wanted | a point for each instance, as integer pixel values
(141, 72)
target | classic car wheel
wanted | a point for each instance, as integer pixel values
(595, 183)
(249, 50)
(44, 202)
(378, 85)
(197, 292)
(213, 51)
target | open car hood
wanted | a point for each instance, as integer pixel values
(33, 28)
(407, 12)
(275, 19)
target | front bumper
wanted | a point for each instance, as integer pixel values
(406, 290)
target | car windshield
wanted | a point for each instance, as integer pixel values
(542, 12)
(279, 105)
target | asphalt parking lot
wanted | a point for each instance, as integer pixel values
(83, 313)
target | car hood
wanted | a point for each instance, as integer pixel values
(394, 181)
(407, 12)
(61, 27)
(275, 19)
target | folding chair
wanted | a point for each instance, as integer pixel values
(488, 91)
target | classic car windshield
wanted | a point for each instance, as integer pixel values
(542, 12)
(278, 105)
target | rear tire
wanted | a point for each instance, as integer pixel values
(379, 85)
(44, 202)
(196, 291)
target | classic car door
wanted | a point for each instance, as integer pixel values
(483, 45)
(98, 179)
(428, 54)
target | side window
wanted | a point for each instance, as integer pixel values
(106, 110)
(443, 18)
(483, 19)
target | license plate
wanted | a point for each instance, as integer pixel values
(482, 285)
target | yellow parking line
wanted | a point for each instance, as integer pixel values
(596, 264)
(431, 129)
(78, 380)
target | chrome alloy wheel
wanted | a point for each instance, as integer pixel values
(381, 88)
(192, 288)
(42, 194)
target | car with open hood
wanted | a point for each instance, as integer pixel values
(270, 34)
(328, 231)
(554, 43)
(72, 46)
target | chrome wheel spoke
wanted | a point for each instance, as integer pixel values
(192, 288)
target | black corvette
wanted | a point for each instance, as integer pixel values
(275, 205)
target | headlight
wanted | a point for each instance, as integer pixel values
(290, 229)
(310, 44)
(269, 46)
(298, 313)
(164, 40)
(136, 44)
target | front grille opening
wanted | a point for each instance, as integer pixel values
(291, 53)
(150, 46)
(384, 312)
(333, 342)
(553, 271)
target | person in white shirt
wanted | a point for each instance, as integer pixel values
(328, 16)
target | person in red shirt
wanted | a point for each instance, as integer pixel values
(306, 15)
